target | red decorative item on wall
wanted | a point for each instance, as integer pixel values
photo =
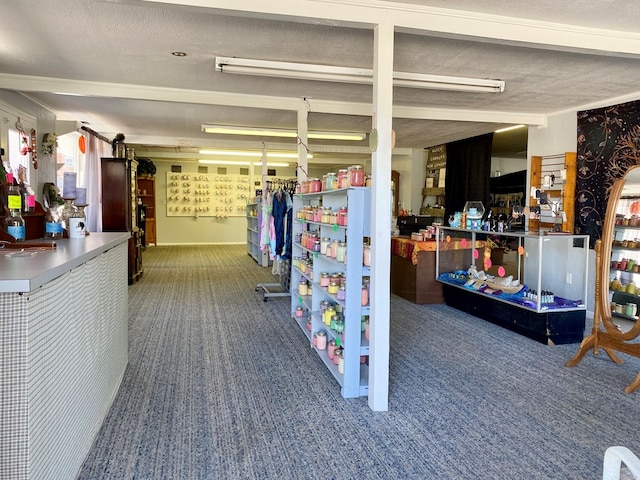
(24, 142)
(82, 144)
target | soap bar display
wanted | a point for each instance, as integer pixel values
(212, 195)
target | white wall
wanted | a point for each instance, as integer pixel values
(560, 136)
(412, 172)
(507, 165)
(45, 123)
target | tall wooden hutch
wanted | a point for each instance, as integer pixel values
(119, 207)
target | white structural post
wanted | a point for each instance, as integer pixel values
(381, 218)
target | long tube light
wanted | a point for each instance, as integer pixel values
(331, 73)
(227, 162)
(507, 129)
(249, 153)
(280, 132)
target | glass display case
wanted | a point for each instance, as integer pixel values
(533, 284)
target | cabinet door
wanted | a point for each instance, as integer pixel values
(116, 191)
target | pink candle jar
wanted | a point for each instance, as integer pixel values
(334, 249)
(342, 178)
(331, 348)
(357, 176)
(321, 340)
(342, 216)
(315, 185)
(366, 255)
(336, 356)
(364, 300)
(299, 312)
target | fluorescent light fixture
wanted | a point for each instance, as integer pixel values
(506, 129)
(250, 153)
(225, 162)
(330, 73)
(279, 132)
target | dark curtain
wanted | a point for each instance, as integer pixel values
(608, 145)
(468, 172)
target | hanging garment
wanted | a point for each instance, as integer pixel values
(288, 227)
(265, 226)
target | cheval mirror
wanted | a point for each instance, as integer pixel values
(617, 277)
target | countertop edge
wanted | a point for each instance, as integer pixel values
(70, 257)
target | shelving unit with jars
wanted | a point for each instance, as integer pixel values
(329, 281)
(624, 281)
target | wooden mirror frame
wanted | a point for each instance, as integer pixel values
(605, 334)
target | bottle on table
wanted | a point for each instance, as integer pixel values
(14, 223)
(52, 224)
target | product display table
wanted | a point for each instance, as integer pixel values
(413, 269)
(63, 352)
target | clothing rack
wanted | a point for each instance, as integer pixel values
(282, 288)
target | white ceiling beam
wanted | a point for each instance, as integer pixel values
(432, 20)
(63, 86)
(151, 142)
(27, 83)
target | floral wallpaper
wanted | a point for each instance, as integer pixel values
(608, 144)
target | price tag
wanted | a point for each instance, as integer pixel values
(335, 227)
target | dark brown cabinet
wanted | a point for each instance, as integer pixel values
(119, 200)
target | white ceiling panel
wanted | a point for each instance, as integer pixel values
(118, 54)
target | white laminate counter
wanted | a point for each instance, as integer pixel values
(26, 273)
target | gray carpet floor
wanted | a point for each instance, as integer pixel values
(221, 385)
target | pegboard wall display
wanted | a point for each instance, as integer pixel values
(210, 195)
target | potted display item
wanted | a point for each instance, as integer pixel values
(146, 167)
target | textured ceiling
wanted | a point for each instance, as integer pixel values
(112, 60)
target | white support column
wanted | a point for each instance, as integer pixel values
(263, 171)
(381, 218)
(303, 143)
